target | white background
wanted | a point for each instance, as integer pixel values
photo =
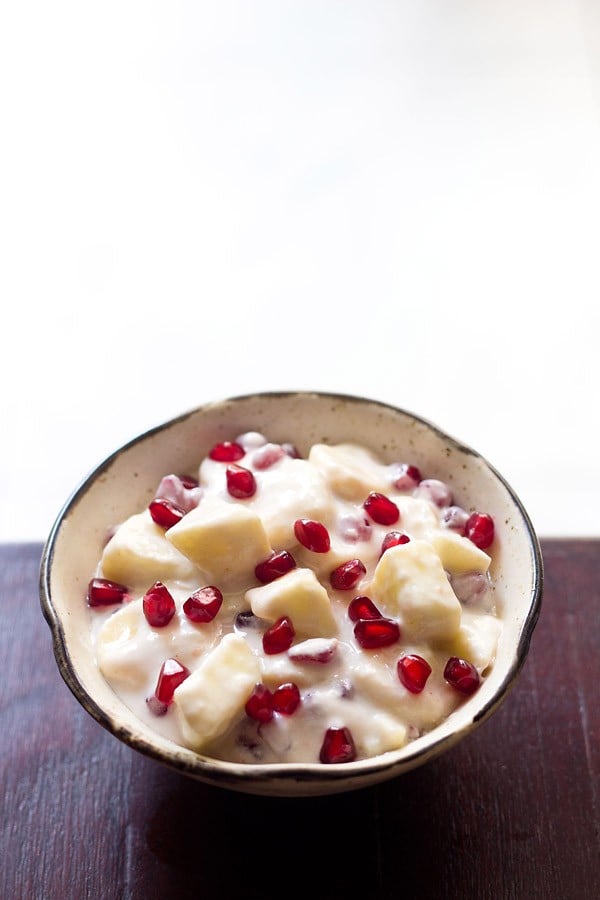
(398, 199)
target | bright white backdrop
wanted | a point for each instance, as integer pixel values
(396, 199)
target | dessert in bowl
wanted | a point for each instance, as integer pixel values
(292, 593)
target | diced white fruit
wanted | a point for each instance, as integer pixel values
(120, 652)
(410, 583)
(384, 733)
(214, 695)
(351, 471)
(139, 554)
(458, 554)
(477, 639)
(417, 517)
(290, 490)
(225, 540)
(381, 685)
(299, 595)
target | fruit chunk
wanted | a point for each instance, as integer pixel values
(410, 584)
(352, 471)
(477, 638)
(299, 595)
(226, 540)
(139, 554)
(215, 694)
(458, 554)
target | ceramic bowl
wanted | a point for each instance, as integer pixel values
(124, 484)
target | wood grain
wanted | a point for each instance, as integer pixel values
(511, 812)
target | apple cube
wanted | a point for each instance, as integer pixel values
(410, 583)
(351, 471)
(299, 595)
(214, 695)
(458, 554)
(138, 554)
(224, 539)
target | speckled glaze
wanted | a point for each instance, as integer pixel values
(125, 482)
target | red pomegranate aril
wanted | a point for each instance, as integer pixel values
(274, 566)
(102, 592)
(158, 605)
(413, 672)
(393, 539)
(312, 535)
(267, 456)
(405, 477)
(204, 604)
(241, 483)
(227, 451)
(314, 650)
(462, 675)
(354, 529)
(435, 491)
(480, 530)
(347, 576)
(362, 608)
(381, 509)
(286, 698)
(259, 705)
(338, 746)
(165, 513)
(455, 518)
(189, 482)
(372, 634)
(172, 674)
(291, 450)
(279, 637)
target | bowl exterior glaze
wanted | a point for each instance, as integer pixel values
(124, 484)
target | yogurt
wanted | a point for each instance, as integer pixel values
(278, 609)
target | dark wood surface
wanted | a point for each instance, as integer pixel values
(511, 812)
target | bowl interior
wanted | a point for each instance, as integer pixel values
(124, 484)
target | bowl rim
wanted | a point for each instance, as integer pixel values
(247, 776)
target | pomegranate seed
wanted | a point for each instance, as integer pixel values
(246, 620)
(204, 604)
(274, 566)
(158, 605)
(374, 633)
(346, 576)
(241, 483)
(355, 528)
(461, 675)
(338, 746)
(480, 529)
(314, 650)
(102, 592)
(156, 706)
(189, 482)
(267, 456)
(171, 674)
(471, 587)
(279, 637)
(455, 518)
(413, 672)
(227, 451)
(286, 698)
(363, 608)
(405, 477)
(381, 509)
(435, 491)
(312, 535)
(393, 539)
(259, 704)
(165, 513)
(291, 450)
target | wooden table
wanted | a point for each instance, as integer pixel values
(511, 812)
